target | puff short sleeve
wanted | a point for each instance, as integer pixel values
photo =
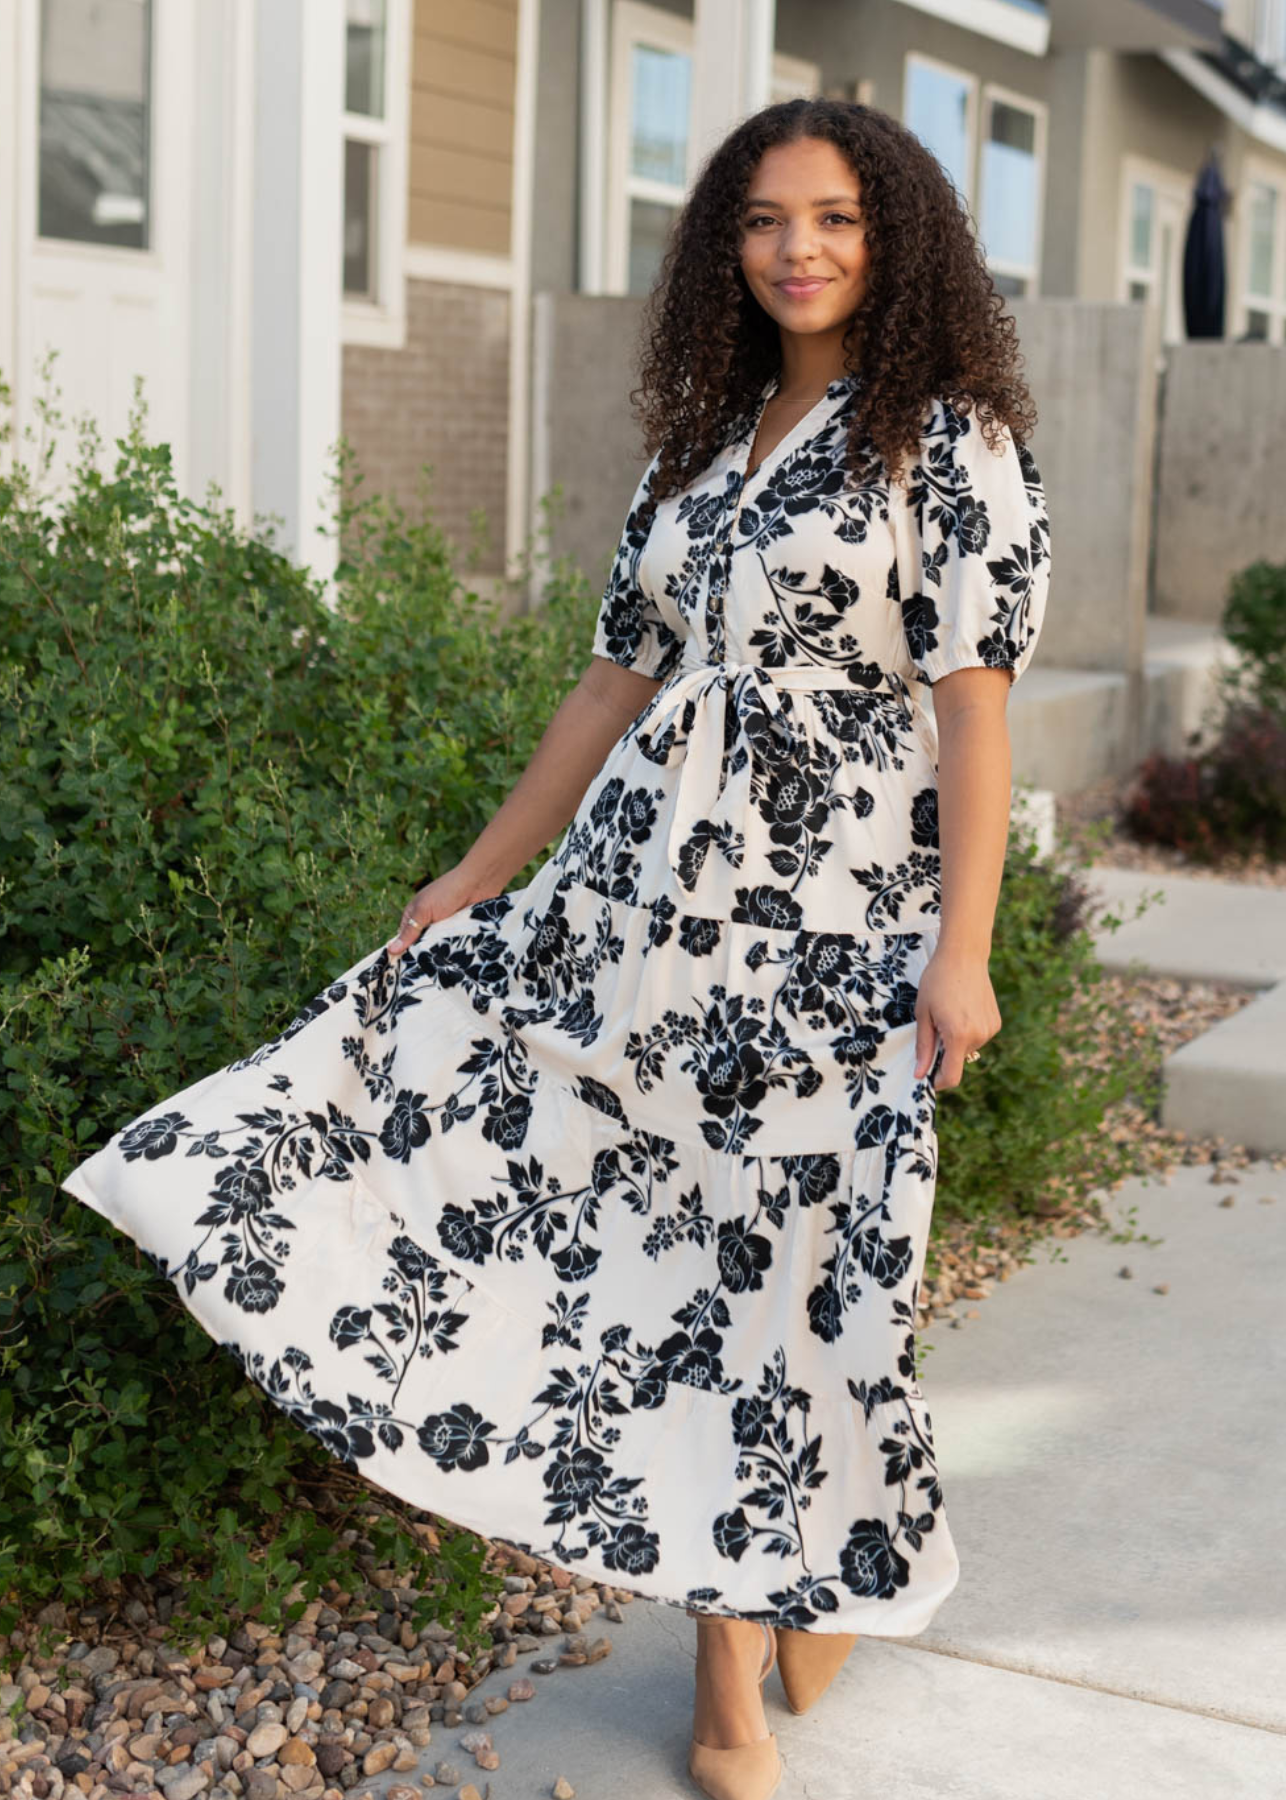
(972, 549)
(631, 629)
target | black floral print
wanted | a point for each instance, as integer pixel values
(597, 1221)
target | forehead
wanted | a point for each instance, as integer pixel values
(809, 172)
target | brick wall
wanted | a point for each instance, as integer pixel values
(442, 400)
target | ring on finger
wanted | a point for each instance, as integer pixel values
(972, 1055)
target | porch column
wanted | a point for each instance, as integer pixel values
(297, 266)
(731, 67)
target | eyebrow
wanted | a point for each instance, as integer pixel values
(831, 200)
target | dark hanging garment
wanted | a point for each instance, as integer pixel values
(1204, 266)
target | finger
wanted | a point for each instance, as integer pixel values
(407, 933)
(951, 1069)
(926, 1043)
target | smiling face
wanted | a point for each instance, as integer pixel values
(803, 246)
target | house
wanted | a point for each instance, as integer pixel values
(296, 217)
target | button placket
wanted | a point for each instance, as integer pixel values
(721, 581)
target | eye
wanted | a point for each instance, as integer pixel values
(843, 218)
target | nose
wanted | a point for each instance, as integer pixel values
(799, 242)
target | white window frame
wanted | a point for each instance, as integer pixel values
(991, 93)
(381, 323)
(972, 109)
(1255, 171)
(982, 96)
(633, 23)
(1169, 186)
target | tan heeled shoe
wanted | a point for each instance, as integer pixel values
(749, 1771)
(809, 1661)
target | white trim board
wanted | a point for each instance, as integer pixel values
(468, 268)
(1264, 123)
(998, 19)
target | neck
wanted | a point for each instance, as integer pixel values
(809, 363)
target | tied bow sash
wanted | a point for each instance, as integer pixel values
(729, 713)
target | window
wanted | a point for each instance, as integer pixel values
(1141, 257)
(1011, 180)
(376, 108)
(650, 151)
(365, 135)
(95, 121)
(656, 175)
(1264, 281)
(939, 106)
(999, 171)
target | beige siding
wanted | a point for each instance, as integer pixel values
(462, 99)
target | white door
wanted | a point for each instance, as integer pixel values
(1156, 202)
(102, 215)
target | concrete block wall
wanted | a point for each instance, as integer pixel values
(1091, 367)
(443, 400)
(1222, 472)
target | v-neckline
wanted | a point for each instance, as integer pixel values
(835, 390)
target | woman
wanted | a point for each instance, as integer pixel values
(651, 1141)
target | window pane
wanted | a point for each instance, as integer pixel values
(660, 84)
(364, 61)
(1142, 215)
(95, 99)
(1263, 237)
(361, 162)
(938, 114)
(1010, 176)
(649, 224)
(1257, 326)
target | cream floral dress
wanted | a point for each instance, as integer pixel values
(596, 1222)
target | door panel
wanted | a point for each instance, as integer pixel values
(111, 311)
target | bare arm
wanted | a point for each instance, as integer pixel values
(956, 1000)
(543, 800)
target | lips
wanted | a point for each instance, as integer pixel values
(800, 290)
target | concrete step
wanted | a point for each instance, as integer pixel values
(1231, 1081)
(1069, 728)
(1203, 930)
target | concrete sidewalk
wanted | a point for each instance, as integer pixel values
(1113, 1463)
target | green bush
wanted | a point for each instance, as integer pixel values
(1254, 622)
(216, 792)
(1025, 1126)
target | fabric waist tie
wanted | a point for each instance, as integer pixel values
(727, 714)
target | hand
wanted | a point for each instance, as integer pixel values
(957, 1004)
(438, 900)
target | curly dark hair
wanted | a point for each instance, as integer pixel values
(931, 322)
